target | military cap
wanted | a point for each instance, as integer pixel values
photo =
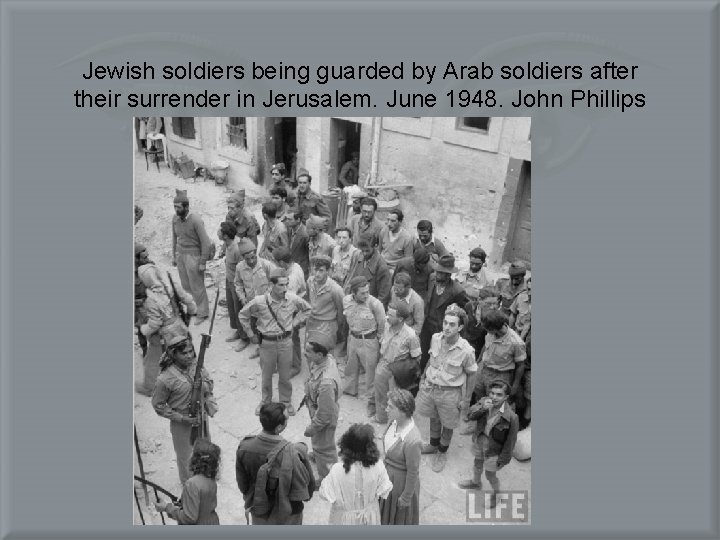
(357, 282)
(245, 246)
(517, 268)
(181, 196)
(321, 259)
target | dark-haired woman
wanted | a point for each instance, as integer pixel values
(355, 484)
(199, 496)
(402, 442)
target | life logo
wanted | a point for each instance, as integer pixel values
(510, 507)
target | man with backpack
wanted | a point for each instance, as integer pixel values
(273, 474)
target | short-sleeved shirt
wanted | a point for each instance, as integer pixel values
(502, 354)
(341, 261)
(290, 312)
(450, 365)
(472, 283)
(399, 345)
(521, 309)
(322, 244)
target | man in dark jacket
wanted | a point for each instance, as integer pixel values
(368, 262)
(418, 268)
(290, 480)
(442, 291)
(308, 202)
(494, 439)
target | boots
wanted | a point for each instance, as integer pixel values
(475, 483)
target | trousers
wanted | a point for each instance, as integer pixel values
(362, 352)
(193, 280)
(183, 449)
(276, 355)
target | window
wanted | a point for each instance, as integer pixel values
(184, 126)
(474, 123)
(236, 131)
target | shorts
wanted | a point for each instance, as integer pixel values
(437, 403)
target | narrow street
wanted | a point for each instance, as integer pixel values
(237, 378)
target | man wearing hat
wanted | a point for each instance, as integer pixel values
(173, 391)
(326, 301)
(442, 291)
(245, 223)
(191, 248)
(163, 318)
(475, 279)
(365, 317)
(368, 263)
(319, 242)
(226, 234)
(418, 268)
(444, 385)
(278, 313)
(252, 278)
(308, 202)
(349, 172)
(510, 288)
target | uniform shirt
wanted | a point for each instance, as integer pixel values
(449, 365)
(362, 231)
(322, 390)
(521, 309)
(296, 279)
(311, 203)
(246, 225)
(326, 300)
(472, 283)
(366, 317)
(232, 258)
(393, 247)
(399, 344)
(291, 311)
(250, 282)
(504, 353)
(161, 310)
(189, 236)
(375, 270)
(323, 244)
(173, 389)
(274, 236)
(415, 305)
(341, 263)
(508, 293)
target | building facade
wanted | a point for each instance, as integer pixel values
(469, 175)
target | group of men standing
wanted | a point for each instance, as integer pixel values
(374, 300)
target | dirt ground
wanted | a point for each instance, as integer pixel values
(237, 378)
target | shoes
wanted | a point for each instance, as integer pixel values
(257, 409)
(200, 320)
(428, 448)
(234, 337)
(241, 346)
(439, 461)
(469, 429)
(469, 484)
(290, 409)
(255, 354)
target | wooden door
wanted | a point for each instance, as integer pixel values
(523, 225)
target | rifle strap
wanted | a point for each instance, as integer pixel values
(267, 301)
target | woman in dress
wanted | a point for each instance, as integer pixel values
(402, 443)
(199, 495)
(354, 485)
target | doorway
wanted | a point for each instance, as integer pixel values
(521, 231)
(345, 139)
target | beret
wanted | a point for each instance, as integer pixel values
(517, 269)
(357, 282)
(245, 246)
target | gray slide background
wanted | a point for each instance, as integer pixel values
(624, 255)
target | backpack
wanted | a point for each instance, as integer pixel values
(262, 503)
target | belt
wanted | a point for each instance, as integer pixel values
(275, 337)
(441, 387)
(367, 335)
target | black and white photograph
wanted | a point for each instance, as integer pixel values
(332, 320)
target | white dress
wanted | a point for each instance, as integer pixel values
(354, 495)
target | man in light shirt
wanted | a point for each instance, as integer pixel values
(342, 255)
(395, 242)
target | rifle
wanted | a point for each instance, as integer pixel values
(184, 317)
(302, 403)
(197, 398)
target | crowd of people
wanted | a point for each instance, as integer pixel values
(373, 312)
